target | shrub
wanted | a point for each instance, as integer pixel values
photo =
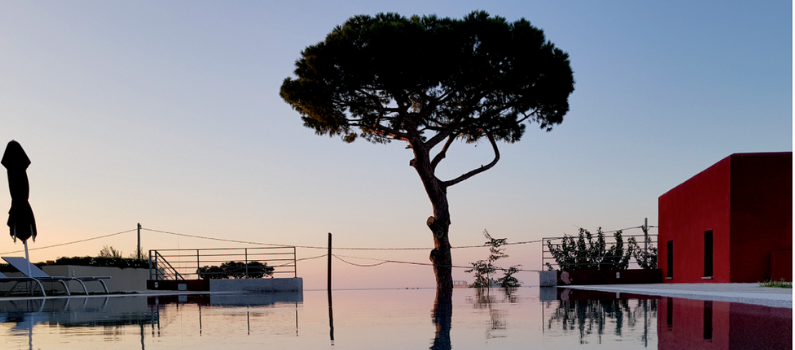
(646, 258)
(103, 261)
(236, 269)
(588, 254)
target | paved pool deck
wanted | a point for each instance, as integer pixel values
(749, 293)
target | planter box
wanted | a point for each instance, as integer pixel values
(192, 285)
(587, 277)
(548, 278)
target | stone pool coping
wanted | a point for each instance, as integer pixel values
(748, 293)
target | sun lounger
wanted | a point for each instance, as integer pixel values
(36, 273)
(18, 280)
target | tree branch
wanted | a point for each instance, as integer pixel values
(442, 153)
(478, 170)
(385, 131)
(444, 131)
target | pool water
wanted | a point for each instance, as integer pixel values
(392, 319)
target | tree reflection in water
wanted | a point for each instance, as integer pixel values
(484, 300)
(442, 317)
(593, 316)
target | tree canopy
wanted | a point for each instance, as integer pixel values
(424, 79)
(427, 80)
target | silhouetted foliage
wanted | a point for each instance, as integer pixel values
(646, 258)
(236, 269)
(594, 316)
(103, 261)
(587, 253)
(429, 81)
(483, 269)
(109, 252)
(134, 254)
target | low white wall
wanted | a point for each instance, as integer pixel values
(257, 285)
(127, 279)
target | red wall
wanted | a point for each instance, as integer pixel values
(700, 204)
(761, 214)
(746, 201)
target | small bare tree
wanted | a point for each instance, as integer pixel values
(483, 269)
(134, 255)
(109, 252)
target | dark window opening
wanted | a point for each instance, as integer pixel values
(670, 272)
(708, 254)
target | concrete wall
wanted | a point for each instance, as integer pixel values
(128, 279)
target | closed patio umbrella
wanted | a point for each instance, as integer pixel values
(20, 218)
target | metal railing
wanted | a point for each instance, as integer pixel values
(161, 269)
(173, 264)
(547, 257)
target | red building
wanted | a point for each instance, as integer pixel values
(729, 223)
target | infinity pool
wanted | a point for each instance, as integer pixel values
(392, 319)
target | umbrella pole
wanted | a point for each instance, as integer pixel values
(27, 257)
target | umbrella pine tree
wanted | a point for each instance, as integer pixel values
(430, 81)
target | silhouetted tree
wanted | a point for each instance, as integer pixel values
(109, 252)
(429, 81)
(483, 269)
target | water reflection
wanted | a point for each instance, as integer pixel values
(485, 298)
(442, 318)
(235, 301)
(393, 319)
(74, 312)
(700, 324)
(597, 313)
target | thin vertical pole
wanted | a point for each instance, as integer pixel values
(246, 252)
(198, 265)
(330, 310)
(295, 264)
(139, 241)
(329, 269)
(646, 236)
(27, 257)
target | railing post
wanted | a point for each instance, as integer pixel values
(150, 264)
(295, 265)
(246, 262)
(198, 265)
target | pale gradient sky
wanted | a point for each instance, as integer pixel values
(168, 114)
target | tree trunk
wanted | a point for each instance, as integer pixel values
(439, 223)
(440, 255)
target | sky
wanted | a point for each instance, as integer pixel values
(168, 114)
